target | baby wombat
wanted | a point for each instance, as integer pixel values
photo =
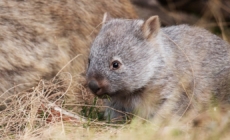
(157, 72)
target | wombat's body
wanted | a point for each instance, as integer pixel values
(158, 72)
(39, 37)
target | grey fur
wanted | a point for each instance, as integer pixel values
(178, 68)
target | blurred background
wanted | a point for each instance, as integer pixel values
(213, 15)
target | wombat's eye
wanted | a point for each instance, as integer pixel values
(115, 65)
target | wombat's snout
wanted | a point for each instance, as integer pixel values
(97, 87)
(94, 86)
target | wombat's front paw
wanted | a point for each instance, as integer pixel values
(115, 116)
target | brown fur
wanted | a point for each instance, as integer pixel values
(38, 37)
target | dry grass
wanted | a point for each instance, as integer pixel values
(28, 112)
(50, 111)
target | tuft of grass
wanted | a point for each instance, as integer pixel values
(91, 112)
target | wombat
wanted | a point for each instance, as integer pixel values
(156, 72)
(39, 37)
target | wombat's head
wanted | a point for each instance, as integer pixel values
(122, 56)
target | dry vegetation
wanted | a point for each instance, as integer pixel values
(48, 111)
(63, 109)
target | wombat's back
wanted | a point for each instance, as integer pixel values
(38, 37)
(202, 56)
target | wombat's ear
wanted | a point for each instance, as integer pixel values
(106, 18)
(151, 27)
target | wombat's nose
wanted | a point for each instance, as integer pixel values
(94, 87)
